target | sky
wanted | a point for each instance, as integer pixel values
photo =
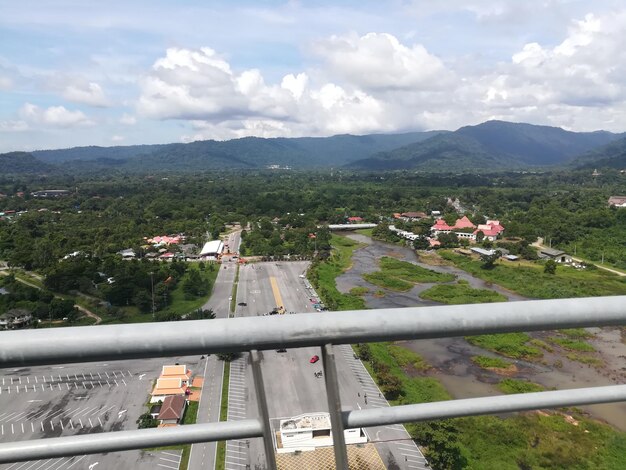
(81, 72)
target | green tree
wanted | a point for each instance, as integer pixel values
(550, 267)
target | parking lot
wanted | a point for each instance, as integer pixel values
(74, 399)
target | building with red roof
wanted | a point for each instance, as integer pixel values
(491, 230)
(353, 220)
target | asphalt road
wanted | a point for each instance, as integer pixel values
(71, 399)
(291, 386)
(203, 454)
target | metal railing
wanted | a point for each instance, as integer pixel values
(117, 342)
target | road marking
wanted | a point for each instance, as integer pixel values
(61, 423)
(42, 426)
(120, 413)
(102, 425)
(77, 461)
(124, 382)
(93, 465)
(2, 427)
(169, 460)
(81, 423)
(99, 376)
(52, 425)
(141, 376)
(116, 382)
(71, 424)
(32, 427)
(167, 466)
(90, 423)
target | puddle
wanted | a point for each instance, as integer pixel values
(451, 357)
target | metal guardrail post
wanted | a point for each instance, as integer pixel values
(263, 410)
(334, 407)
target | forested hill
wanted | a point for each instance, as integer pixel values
(248, 152)
(491, 145)
(22, 162)
(612, 155)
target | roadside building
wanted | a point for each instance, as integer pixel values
(127, 254)
(617, 201)
(172, 410)
(50, 193)
(167, 387)
(211, 251)
(14, 319)
(556, 255)
(178, 371)
(310, 431)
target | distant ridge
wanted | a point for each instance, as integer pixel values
(490, 145)
(23, 163)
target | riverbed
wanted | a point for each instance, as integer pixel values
(450, 357)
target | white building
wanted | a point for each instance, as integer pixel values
(212, 250)
(310, 431)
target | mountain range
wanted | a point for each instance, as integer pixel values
(493, 145)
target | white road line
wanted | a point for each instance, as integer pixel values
(81, 423)
(169, 460)
(236, 463)
(235, 457)
(71, 424)
(99, 376)
(47, 461)
(84, 378)
(101, 425)
(42, 429)
(167, 466)
(90, 423)
(82, 457)
(61, 423)
(68, 385)
(116, 382)
(12, 430)
(107, 374)
(52, 425)
(32, 427)
(235, 451)
(2, 427)
(124, 382)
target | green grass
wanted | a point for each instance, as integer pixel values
(576, 333)
(572, 344)
(487, 362)
(404, 357)
(541, 344)
(220, 457)
(585, 359)
(530, 280)
(323, 274)
(510, 386)
(387, 281)
(359, 290)
(191, 413)
(411, 272)
(233, 295)
(455, 294)
(514, 345)
(365, 231)
(414, 389)
(181, 305)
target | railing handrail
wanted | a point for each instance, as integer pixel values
(250, 428)
(111, 342)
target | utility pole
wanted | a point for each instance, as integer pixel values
(152, 285)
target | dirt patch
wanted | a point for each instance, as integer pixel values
(433, 259)
(506, 371)
(394, 254)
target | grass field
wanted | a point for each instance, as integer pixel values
(322, 275)
(181, 305)
(514, 345)
(455, 294)
(528, 279)
(487, 362)
(510, 386)
(401, 276)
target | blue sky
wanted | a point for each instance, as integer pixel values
(119, 73)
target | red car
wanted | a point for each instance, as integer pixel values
(314, 359)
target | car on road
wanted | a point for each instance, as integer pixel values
(314, 359)
(281, 350)
(242, 304)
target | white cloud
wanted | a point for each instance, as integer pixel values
(378, 61)
(54, 116)
(117, 138)
(128, 120)
(5, 83)
(86, 93)
(13, 126)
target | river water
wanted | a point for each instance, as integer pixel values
(450, 357)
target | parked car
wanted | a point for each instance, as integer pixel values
(314, 359)
(242, 304)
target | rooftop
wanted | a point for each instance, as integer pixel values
(306, 421)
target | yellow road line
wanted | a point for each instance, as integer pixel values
(276, 291)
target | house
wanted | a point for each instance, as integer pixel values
(127, 254)
(491, 230)
(47, 193)
(172, 410)
(463, 229)
(15, 318)
(355, 220)
(482, 251)
(310, 431)
(556, 255)
(167, 387)
(617, 201)
(178, 371)
(410, 216)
